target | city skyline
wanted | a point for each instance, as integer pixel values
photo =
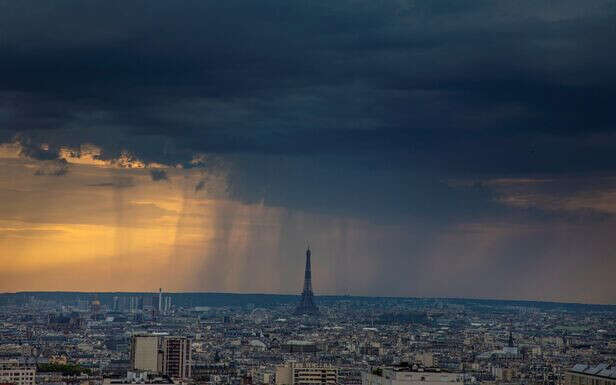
(426, 149)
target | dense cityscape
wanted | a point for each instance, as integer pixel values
(200, 338)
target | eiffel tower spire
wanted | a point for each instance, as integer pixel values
(306, 304)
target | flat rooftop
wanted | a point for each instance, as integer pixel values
(601, 370)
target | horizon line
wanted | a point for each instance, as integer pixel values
(319, 295)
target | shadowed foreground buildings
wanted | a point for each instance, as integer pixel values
(137, 377)
(391, 341)
(405, 375)
(582, 374)
(299, 346)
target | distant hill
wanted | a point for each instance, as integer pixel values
(187, 299)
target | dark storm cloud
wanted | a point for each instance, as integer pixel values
(48, 159)
(117, 182)
(398, 96)
(37, 152)
(56, 167)
(366, 188)
(200, 185)
(158, 175)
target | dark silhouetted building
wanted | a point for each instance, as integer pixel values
(306, 304)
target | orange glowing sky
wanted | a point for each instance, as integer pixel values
(103, 227)
(107, 227)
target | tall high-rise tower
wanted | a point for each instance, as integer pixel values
(306, 304)
(160, 300)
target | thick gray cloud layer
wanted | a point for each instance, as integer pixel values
(465, 85)
(399, 87)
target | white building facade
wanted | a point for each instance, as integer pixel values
(296, 373)
(13, 372)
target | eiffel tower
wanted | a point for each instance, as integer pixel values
(306, 304)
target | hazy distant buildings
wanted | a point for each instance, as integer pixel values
(167, 355)
(160, 300)
(95, 308)
(426, 359)
(510, 349)
(371, 349)
(127, 304)
(262, 375)
(295, 373)
(167, 307)
(65, 322)
(349, 376)
(299, 346)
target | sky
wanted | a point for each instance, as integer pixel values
(422, 148)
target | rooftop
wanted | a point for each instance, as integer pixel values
(300, 342)
(601, 370)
